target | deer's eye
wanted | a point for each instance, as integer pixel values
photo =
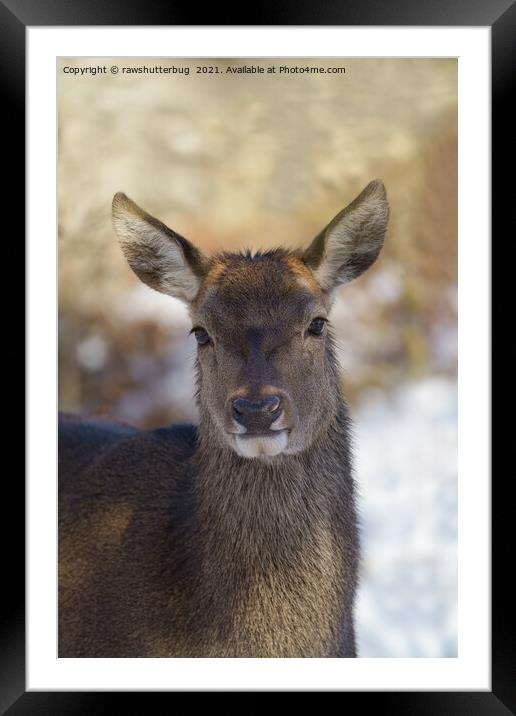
(201, 336)
(316, 327)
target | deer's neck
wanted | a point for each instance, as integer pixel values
(273, 493)
(273, 541)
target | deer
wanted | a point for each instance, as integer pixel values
(238, 537)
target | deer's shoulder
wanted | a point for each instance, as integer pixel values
(127, 461)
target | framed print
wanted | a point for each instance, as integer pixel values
(369, 130)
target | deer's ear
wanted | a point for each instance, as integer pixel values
(159, 257)
(351, 242)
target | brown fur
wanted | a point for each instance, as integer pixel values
(174, 543)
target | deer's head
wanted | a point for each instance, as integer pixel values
(265, 362)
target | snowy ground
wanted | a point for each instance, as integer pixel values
(406, 468)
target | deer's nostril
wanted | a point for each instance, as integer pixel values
(256, 411)
(239, 406)
(271, 403)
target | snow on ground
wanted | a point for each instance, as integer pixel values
(406, 469)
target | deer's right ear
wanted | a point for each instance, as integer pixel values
(162, 259)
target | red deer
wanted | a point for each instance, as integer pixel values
(239, 537)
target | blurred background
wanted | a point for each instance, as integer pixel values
(259, 160)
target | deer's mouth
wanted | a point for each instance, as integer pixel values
(263, 444)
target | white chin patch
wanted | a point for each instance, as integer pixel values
(262, 445)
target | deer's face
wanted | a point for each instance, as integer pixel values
(261, 328)
(261, 322)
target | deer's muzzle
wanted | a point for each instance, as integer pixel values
(257, 416)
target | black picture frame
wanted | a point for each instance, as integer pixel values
(500, 16)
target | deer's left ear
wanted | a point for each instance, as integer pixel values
(351, 242)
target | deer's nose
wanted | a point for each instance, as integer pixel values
(256, 415)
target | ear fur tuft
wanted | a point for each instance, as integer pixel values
(160, 257)
(351, 242)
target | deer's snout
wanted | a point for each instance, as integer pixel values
(257, 416)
